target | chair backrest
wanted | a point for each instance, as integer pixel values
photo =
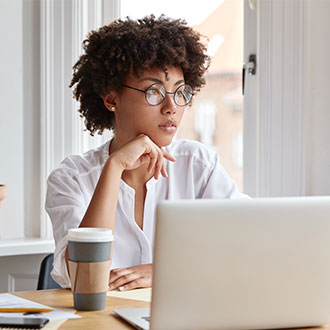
(45, 281)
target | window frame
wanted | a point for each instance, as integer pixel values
(274, 114)
(64, 25)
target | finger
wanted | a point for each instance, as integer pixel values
(118, 272)
(157, 171)
(168, 156)
(123, 280)
(143, 159)
(159, 165)
(135, 284)
(147, 146)
(151, 164)
(153, 159)
(163, 166)
(163, 171)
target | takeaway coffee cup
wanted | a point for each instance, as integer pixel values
(89, 266)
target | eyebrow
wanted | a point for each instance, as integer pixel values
(160, 82)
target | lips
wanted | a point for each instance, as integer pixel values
(168, 127)
(169, 123)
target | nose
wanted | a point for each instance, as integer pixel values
(169, 107)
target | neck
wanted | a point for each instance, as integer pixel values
(117, 142)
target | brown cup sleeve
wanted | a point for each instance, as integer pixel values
(89, 277)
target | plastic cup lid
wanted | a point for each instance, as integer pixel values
(90, 234)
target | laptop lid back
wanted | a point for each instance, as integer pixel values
(241, 264)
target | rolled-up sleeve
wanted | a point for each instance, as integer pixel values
(66, 206)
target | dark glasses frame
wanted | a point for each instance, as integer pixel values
(166, 92)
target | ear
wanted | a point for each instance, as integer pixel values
(109, 101)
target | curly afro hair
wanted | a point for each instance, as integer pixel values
(130, 47)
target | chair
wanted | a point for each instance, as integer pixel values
(45, 281)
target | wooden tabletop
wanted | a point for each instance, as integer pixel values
(106, 319)
(62, 299)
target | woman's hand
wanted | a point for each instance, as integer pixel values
(131, 278)
(142, 150)
(3, 192)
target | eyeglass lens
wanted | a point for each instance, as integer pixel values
(156, 94)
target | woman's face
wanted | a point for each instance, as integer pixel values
(133, 114)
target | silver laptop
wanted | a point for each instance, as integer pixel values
(239, 264)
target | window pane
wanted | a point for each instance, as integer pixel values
(216, 116)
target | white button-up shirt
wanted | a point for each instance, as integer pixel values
(196, 173)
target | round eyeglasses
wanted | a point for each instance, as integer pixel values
(156, 93)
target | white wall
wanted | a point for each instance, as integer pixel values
(12, 123)
(317, 100)
(20, 117)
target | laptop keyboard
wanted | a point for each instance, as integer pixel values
(147, 318)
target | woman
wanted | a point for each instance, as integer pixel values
(135, 78)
